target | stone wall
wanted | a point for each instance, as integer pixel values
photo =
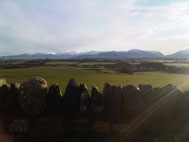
(34, 113)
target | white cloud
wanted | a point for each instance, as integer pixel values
(92, 25)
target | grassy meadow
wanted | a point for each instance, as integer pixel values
(97, 76)
(177, 64)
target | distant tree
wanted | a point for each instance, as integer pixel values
(124, 67)
(156, 66)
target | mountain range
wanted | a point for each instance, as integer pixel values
(134, 53)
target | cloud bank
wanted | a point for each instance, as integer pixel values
(83, 25)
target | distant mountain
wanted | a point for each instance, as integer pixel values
(37, 56)
(180, 54)
(134, 53)
(92, 52)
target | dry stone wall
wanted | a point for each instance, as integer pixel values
(32, 112)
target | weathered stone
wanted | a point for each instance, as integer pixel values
(106, 89)
(19, 126)
(169, 91)
(71, 99)
(113, 100)
(95, 92)
(4, 92)
(149, 127)
(157, 90)
(167, 103)
(163, 117)
(133, 103)
(121, 127)
(97, 101)
(183, 104)
(7, 138)
(2, 82)
(172, 90)
(102, 127)
(158, 94)
(145, 88)
(15, 88)
(79, 125)
(47, 127)
(32, 96)
(84, 98)
(54, 100)
(10, 104)
(3, 128)
(147, 93)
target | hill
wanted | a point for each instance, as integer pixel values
(180, 54)
(134, 53)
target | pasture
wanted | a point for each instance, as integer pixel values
(93, 76)
(178, 64)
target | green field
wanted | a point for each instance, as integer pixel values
(78, 63)
(61, 74)
(61, 63)
(177, 64)
(96, 63)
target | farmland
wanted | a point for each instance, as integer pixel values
(85, 72)
(178, 64)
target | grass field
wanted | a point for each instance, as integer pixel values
(78, 63)
(177, 64)
(61, 74)
(96, 63)
(61, 63)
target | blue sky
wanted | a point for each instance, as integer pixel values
(50, 26)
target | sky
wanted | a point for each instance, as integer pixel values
(49, 26)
